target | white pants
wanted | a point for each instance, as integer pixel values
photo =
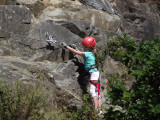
(93, 89)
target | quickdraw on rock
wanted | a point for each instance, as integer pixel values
(50, 39)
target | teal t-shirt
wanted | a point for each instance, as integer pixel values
(89, 61)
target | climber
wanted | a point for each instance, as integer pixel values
(89, 56)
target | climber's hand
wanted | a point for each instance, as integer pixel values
(73, 46)
(63, 44)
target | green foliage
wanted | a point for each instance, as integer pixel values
(117, 86)
(100, 58)
(87, 112)
(142, 102)
(25, 102)
(28, 102)
(112, 114)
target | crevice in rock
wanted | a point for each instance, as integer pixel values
(133, 17)
(48, 47)
(26, 45)
(158, 6)
(74, 29)
(82, 78)
(63, 54)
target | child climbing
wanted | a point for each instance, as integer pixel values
(89, 56)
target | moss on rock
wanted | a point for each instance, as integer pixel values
(36, 8)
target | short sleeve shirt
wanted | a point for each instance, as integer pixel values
(89, 61)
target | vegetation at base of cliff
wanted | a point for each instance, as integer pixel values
(142, 101)
(25, 102)
(87, 112)
(19, 101)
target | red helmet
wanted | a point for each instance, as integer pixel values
(89, 42)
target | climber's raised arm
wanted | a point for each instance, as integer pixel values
(72, 48)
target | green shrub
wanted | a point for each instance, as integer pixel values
(142, 101)
(87, 112)
(25, 102)
(117, 87)
(19, 101)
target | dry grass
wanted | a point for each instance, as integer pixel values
(4, 2)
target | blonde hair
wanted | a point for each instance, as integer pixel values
(94, 51)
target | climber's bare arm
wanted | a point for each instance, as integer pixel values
(78, 52)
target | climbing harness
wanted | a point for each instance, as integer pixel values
(97, 86)
(98, 83)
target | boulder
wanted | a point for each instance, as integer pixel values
(62, 78)
(114, 67)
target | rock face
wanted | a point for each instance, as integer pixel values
(103, 5)
(25, 54)
(140, 18)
